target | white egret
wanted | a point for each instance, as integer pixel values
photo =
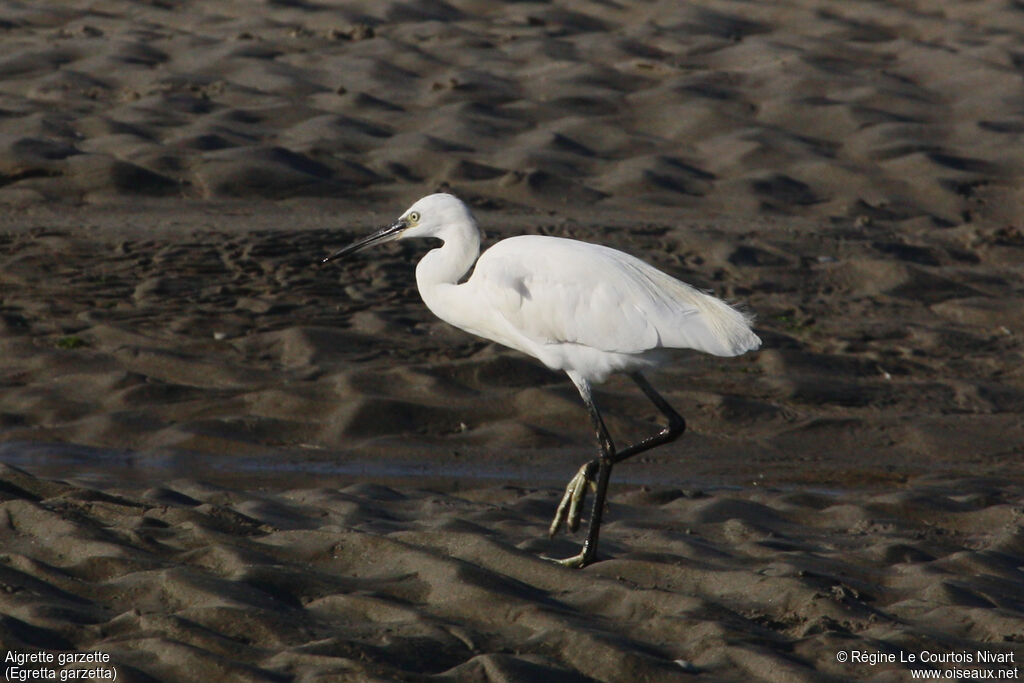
(583, 308)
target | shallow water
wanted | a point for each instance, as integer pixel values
(289, 470)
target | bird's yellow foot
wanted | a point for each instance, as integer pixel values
(571, 508)
(574, 562)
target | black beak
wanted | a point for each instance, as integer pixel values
(385, 234)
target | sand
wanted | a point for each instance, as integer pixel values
(367, 582)
(224, 460)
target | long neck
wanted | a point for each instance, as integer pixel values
(438, 273)
(449, 262)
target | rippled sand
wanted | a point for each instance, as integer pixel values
(247, 466)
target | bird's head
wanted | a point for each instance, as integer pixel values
(428, 217)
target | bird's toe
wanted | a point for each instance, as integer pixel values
(574, 562)
(570, 508)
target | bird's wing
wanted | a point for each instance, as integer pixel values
(554, 291)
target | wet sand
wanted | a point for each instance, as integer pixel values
(226, 460)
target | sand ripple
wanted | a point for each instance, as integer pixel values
(371, 583)
(368, 582)
(823, 109)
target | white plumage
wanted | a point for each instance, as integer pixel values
(572, 302)
(583, 308)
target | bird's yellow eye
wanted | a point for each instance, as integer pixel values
(413, 218)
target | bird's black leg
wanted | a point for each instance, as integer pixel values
(675, 428)
(569, 510)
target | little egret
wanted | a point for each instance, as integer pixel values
(583, 308)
